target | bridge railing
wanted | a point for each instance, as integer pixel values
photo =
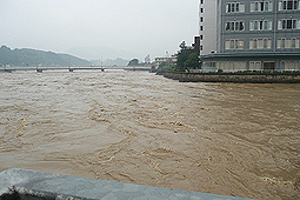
(71, 69)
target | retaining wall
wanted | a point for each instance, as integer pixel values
(235, 77)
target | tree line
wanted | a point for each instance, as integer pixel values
(187, 59)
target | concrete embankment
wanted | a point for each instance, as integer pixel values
(18, 184)
(235, 77)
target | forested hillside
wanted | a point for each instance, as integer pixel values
(31, 57)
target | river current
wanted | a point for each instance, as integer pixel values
(136, 127)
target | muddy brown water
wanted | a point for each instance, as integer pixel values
(136, 127)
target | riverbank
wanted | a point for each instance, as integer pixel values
(265, 77)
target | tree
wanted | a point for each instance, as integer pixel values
(186, 58)
(183, 45)
(133, 62)
(193, 61)
(182, 56)
(162, 64)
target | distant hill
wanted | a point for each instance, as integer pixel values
(31, 57)
(110, 62)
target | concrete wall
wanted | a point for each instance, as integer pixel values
(18, 184)
(236, 78)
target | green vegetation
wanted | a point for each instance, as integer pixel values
(133, 62)
(136, 62)
(166, 67)
(187, 59)
(31, 57)
(193, 61)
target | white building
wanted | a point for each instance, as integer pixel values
(159, 60)
(208, 26)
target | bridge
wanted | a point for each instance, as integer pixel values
(72, 69)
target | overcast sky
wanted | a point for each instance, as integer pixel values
(138, 26)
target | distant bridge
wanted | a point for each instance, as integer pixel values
(72, 69)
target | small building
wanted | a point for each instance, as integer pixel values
(147, 59)
(251, 35)
(167, 59)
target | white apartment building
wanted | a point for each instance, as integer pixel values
(208, 26)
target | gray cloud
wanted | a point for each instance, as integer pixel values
(138, 26)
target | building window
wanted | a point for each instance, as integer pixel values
(253, 44)
(261, 6)
(282, 43)
(202, 1)
(234, 44)
(289, 5)
(259, 43)
(209, 64)
(231, 46)
(266, 44)
(262, 25)
(287, 24)
(235, 7)
(201, 37)
(201, 19)
(282, 65)
(255, 65)
(234, 26)
(293, 43)
(201, 28)
(288, 43)
(201, 10)
(290, 65)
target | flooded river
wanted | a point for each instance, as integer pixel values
(136, 127)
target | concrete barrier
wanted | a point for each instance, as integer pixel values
(235, 77)
(19, 184)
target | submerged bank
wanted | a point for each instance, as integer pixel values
(288, 77)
